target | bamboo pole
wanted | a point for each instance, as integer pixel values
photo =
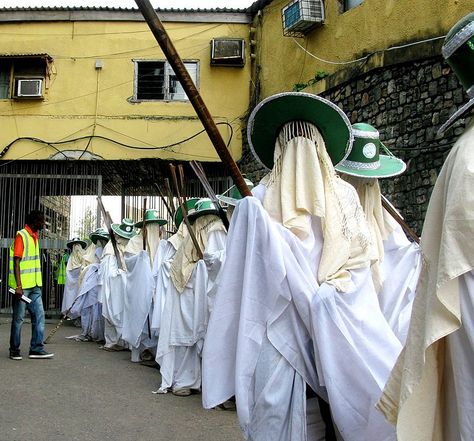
(193, 94)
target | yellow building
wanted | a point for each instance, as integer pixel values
(328, 37)
(93, 84)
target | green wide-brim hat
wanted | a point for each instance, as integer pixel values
(99, 234)
(365, 160)
(232, 195)
(75, 240)
(178, 216)
(458, 50)
(203, 207)
(152, 217)
(269, 116)
(126, 229)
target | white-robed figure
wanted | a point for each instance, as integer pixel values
(396, 262)
(430, 392)
(74, 266)
(185, 312)
(138, 306)
(296, 303)
(87, 305)
(113, 281)
(162, 263)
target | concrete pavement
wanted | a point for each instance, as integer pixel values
(88, 394)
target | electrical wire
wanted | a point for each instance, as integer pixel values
(369, 55)
(129, 146)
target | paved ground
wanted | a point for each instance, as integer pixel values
(88, 394)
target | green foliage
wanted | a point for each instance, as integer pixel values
(87, 224)
(318, 76)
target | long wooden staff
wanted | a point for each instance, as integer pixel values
(163, 199)
(195, 98)
(108, 223)
(184, 211)
(394, 213)
(201, 175)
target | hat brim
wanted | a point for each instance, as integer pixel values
(80, 242)
(193, 216)
(96, 237)
(455, 116)
(268, 117)
(178, 215)
(389, 167)
(153, 221)
(119, 232)
(228, 200)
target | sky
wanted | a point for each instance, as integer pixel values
(190, 4)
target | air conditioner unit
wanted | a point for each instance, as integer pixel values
(301, 16)
(28, 87)
(228, 52)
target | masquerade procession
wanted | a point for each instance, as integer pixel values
(199, 242)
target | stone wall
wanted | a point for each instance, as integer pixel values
(407, 103)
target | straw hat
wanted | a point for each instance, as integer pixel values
(126, 229)
(458, 50)
(232, 195)
(99, 234)
(178, 215)
(365, 160)
(267, 119)
(151, 217)
(74, 240)
(203, 206)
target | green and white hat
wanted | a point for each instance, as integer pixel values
(269, 116)
(203, 206)
(458, 50)
(232, 195)
(126, 229)
(99, 234)
(75, 240)
(178, 215)
(151, 217)
(365, 160)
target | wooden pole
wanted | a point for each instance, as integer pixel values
(394, 213)
(108, 223)
(193, 94)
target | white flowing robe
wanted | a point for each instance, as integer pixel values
(268, 293)
(400, 271)
(112, 294)
(429, 393)
(184, 320)
(73, 271)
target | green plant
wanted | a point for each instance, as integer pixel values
(318, 76)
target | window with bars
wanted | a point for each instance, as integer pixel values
(156, 81)
(349, 4)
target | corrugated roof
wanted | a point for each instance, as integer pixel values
(106, 8)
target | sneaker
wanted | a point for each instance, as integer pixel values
(181, 392)
(40, 354)
(15, 355)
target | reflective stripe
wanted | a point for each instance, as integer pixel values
(30, 270)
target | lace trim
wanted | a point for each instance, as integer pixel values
(366, 134)
(361, 165)
(458, 40)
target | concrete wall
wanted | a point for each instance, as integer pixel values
(81, 100)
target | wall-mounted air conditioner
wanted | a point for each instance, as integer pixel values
(228, 52)
(28, 87)
(301, 16)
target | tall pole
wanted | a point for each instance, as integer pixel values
(193, 94)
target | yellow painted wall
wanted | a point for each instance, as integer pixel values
(81, 100)
(372, 26)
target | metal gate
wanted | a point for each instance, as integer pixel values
(53, 194)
